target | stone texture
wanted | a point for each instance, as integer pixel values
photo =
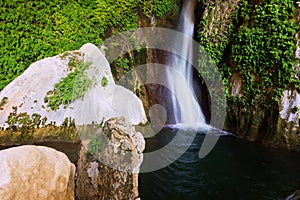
(100, 103)
(290, 107)
(113, 173)
(277, 126)
(27, 92)
(35, 173)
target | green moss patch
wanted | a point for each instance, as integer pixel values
(26, 129)
(71, 87)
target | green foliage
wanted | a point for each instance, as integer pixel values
(214, 33)
(258, 45)
(159, 8)
(119, 14)
(24, 122)
(32, 30)
(104, 81)
(94, 146)
(71, 87)
(123, 63)
(25, 129)
(264, 48)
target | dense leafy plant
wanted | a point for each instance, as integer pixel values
(119, 14)
(214, 35)
(32, 30)
(159, 8)
(25, 129)
(264, 48)
(123, 63)
(259, 45)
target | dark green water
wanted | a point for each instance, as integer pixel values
(234, 169)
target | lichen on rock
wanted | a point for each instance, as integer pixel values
(112, 173)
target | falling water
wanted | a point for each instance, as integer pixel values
(189, 110)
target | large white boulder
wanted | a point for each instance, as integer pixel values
(35, 173)
(27, 92)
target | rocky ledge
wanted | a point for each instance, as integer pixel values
(61, 102)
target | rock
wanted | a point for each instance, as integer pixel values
(35, 173)
(290, 104)
(237, 86)
(27, 92)
(259, 118)
(288, 123)
(113, 173)
(25, 97)
(297, 53)
(125, 146)
(93, 173)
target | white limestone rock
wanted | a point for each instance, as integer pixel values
(290, 107)
(28, 91)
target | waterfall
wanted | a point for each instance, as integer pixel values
(189, 111)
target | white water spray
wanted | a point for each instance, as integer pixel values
(183, 87)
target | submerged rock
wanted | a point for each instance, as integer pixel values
(35, 173)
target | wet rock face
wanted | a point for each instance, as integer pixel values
(277, 126)
(290, 103)
(288, 124)
(113, 172)
(35, 173)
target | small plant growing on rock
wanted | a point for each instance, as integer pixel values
(104, 81)
(295, 110)
(94, 146)
(71, 87)
(3, 102)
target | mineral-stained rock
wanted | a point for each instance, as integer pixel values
(35, 173)
(118, 164)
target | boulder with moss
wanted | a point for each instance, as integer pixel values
(75, 84)
(111, 170)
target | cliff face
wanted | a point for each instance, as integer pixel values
(254, 44)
